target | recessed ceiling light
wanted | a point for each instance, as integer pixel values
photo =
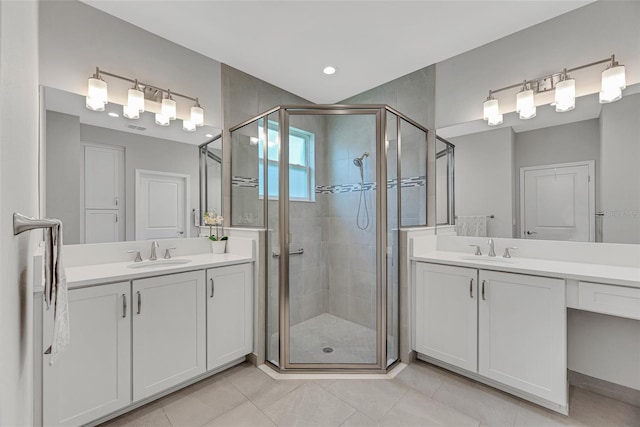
(114, 114)
(209, 135)
(329, 70)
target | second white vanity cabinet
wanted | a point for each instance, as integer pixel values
(169, 335)
(92, 377)
(229, 314)
(504, 327)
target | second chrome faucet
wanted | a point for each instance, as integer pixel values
(492, 251)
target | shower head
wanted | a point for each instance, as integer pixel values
(358, 160)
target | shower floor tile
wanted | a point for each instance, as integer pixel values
(350, 342)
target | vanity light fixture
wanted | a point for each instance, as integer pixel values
(525, 103)
(97, 99)
(565, 93)
(613, 83)
(491, 111)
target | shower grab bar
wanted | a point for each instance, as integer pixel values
(296, 252)
(22, 223)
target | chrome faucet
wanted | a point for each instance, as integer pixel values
(155, 245)
(492, 251)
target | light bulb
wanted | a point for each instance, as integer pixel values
(96, 94)
(169, 108)
(162, 120)
(490, 108)
(525, 104)
(188, 126)
(565, 95)
(610, 96)
(197, 115)
(130, 113)
(135, 99)
(495, 120)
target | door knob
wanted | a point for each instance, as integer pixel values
(180, 232)
(531, 232)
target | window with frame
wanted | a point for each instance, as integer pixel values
(301, 163)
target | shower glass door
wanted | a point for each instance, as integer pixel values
(333, 294)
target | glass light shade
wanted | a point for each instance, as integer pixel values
(162, 120)
(490, 109)
(495, 120)
(525, 104)
(197, 116)
(135, 99)
(565, 95)
(96, 94)
(169, 108)
(130, 113)
(613, 78)
(189, 126)
(610, 96)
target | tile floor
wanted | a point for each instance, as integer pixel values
(421, 395)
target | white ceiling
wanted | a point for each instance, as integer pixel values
(288, 43)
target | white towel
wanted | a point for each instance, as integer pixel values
(56, 290)
(472, 226)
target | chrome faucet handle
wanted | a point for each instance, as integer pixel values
(167, 254)
(478, 252)
(138, 257)
(492, 251)
(506, 253)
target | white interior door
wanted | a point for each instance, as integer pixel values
(557, 202)
(162, 201)
(102, 204)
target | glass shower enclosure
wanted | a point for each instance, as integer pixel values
(311, 176)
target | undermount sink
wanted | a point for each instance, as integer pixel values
(159, 263)
(496, 260)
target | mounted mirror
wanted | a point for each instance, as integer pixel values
(113, 179)
(210, 177)
(559, 176)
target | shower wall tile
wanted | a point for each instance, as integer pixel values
(339, 303)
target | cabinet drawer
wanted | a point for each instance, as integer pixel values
(609, 299)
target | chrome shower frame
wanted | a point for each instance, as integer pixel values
(380, 112)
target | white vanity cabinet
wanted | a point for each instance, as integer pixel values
(92, 377)
(503, 328)
(522, 333)
(229, 314)
(169, 337)
(447, 314)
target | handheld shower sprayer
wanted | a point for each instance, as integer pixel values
(364, 224)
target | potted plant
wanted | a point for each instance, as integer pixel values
(218, 240)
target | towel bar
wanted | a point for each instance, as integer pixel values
(296, 252)
(22, 223)
(488, 216)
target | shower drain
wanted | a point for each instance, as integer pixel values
(327, 350)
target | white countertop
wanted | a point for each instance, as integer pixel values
(625, 276)
(119, 271)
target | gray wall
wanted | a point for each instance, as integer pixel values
(596, 31)
(75, 38)
(620, 171)
(18, 193)
(572, 142)
(484, 180)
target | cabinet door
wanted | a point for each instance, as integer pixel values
(522, 335)
(229, 314)
(447, 314)
(101, 226)
(168, 331)
(92, 378)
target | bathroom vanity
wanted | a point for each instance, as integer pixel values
(503, 321)
(142, 330)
